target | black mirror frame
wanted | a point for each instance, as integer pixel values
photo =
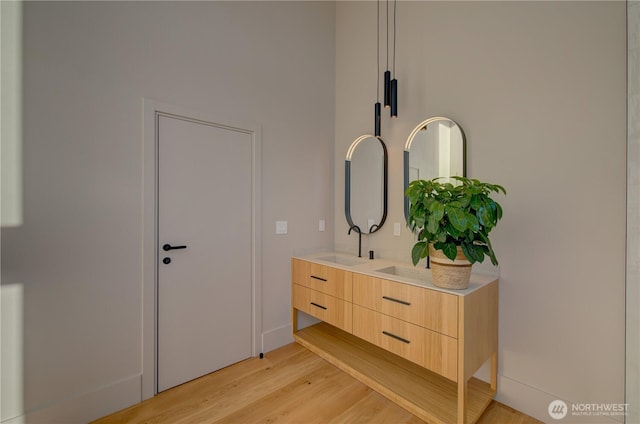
(347, 184)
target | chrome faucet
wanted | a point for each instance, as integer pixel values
(355, 227)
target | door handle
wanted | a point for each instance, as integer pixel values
(168, 247)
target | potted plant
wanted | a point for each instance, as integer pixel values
(453, 222)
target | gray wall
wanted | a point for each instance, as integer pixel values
(540, 91)
(78, 254)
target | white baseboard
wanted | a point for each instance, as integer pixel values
(535, 402)
(276, 338)
(88, 406)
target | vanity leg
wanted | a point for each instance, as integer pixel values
(294, 320)
(494, 371)
(462, 401)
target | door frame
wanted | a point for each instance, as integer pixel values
(151, 110)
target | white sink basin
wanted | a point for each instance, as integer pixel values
(421, 274)
(342, 260)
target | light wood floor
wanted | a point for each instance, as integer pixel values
(290, 385)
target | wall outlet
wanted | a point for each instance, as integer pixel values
(321, 225)
(396, 228)
(281, 227)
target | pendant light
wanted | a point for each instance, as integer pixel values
(377, 105)
(394, 81)
(387, 73)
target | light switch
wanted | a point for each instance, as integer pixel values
(396, 228)
(321, 225)
(281, 227)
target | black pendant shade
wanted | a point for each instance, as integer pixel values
(390, 86)
(387, 88)
(394, 98)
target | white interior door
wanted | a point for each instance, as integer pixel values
(204, 289)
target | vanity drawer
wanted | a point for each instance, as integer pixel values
(333, 281)
(397, 336)
(426, 348)
(327, 308)
(427, 308)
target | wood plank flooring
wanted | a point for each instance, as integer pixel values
(290, 385)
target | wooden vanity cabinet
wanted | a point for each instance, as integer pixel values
(430, 309)
(323, 292)
(416, 345)
(332, 281)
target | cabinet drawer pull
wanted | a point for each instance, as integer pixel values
(403, 302)
(318, 278)
(386, 333)
(318, 306)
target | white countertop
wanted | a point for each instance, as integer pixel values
(395, 270)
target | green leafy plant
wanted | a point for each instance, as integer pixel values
(449, 216)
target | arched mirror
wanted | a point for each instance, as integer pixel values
(435, 148)
(365, 186)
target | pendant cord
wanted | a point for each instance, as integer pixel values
(378, 52)
(394, 81)
(387, 15)
(376, 116)
(394, 38)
